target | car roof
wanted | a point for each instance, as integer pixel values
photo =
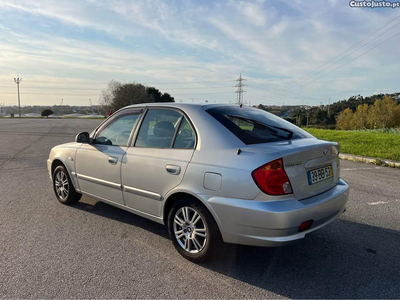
(178, 105)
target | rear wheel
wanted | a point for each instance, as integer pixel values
(193, 230)
(63, 188)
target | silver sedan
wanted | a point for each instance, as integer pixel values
(210, 173)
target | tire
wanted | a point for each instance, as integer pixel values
(63, 187)
(197, 236)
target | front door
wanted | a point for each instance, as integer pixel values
(98, 165)
(158, 160)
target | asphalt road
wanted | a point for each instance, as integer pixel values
(93, 250)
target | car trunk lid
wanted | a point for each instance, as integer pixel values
(308, 163)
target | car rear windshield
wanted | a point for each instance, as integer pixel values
(256, 126)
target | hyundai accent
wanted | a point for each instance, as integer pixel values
(210, 173)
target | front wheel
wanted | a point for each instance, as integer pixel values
(63, 188)
(193, 230)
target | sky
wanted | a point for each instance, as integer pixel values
(195, 50)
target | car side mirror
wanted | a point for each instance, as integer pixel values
(83, 137)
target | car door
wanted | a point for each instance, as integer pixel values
(98, 165)
(158, 159)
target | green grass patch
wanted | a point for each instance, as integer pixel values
(367, 143)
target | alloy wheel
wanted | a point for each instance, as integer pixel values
(62, 185)
(190, 229)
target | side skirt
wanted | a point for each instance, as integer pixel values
(131, 210)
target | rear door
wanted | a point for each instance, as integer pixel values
(157, 161)
(98, 165)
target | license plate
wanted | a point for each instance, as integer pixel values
(319, 174)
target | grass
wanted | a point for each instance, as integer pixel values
(375, 144)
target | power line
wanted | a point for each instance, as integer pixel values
(331, 65)
(284, 92)
(352, 59)
(263, 98)
(359, 42)
(204, 93)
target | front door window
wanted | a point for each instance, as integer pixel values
(117, 133)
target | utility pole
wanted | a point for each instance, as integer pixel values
(17, 81)
(61, 110)
(329, 105)
(308, 113)
(91, 106)
(240, 90)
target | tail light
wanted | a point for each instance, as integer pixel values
(272, 179)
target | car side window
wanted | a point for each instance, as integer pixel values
(117, 132)
(185, 138)
(158, 128)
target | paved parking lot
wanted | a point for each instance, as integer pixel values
(48, 250)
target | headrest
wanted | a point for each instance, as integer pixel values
(164, 129)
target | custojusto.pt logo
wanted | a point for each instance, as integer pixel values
(375, 4)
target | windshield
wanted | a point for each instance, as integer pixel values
(255, 126)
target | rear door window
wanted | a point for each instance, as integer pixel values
(185, 138)
(256, 126)
(158, 128)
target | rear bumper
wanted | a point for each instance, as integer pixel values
(274, 223)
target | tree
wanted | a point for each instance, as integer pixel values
(397, 116)
(382, 113)
(361, 117)
(118, 95)
(345, 119)
(47, 112)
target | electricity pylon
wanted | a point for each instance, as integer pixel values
(239, 90)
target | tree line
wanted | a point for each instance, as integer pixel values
(383, 113)
(325, 116)
(118, 95)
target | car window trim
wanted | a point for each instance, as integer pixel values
(144, 113)
(191, 127)
(114, 118)
(176, 131)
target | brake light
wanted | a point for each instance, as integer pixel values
(272, 179)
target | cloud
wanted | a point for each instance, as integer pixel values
(273, 43)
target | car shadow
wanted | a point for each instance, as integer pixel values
(111, 212)
(343, 260)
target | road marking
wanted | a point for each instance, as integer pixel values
(356, 169)
(377, 203)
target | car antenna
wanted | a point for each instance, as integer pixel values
(238, 151)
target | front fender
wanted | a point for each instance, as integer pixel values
(66, 155)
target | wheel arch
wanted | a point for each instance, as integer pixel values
(58, 162)
(172, 198)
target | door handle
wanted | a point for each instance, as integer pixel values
(173, 170)
(113, 160)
